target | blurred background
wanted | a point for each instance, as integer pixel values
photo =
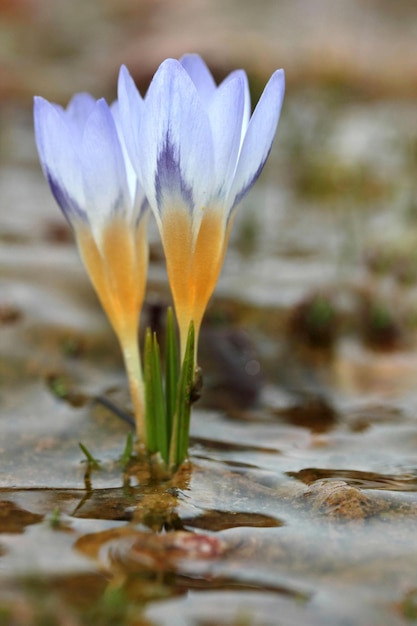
(328, 233)
(340, 188)
(57, 48)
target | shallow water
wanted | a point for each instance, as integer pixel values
(299, 501)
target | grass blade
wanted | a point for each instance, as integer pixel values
(159, 416)
(90, 459)
(181, 423)
(127, 452)
(150, 440)
(171, 371)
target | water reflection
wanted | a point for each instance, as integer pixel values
(364, 480)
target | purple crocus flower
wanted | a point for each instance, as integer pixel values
(197, 153)
(85, 162)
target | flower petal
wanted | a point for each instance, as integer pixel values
(226, 111)
(104, 170)
(139, 202)
(79, 108)
(259, 137)
(60, 162)
(200, 75)
(130, 172)
(175, 143)
(131, 108)
(246, 106)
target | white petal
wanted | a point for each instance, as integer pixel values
(139, 203)
(130, 172)
(131, 108)
(175, 147)
(247, 104)
(104, 171)
(200, 75)
(226, 113)
(259, 137)
(78, 111)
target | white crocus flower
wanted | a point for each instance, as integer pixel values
(85, 162)
(197, 152)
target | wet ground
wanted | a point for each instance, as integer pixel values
(299, 501)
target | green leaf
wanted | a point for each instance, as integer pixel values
(127, 452)
(90, 459)
(159, 416)
(151, 443)
(171, 370)
(181, 423)
(55, 518)
(168, 403)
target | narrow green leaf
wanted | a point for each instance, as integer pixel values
(159, 416)
(181, 424)
(171, 370)
(55, 518)
(127, 452)
(186, 390)
(90, 459)
(150, 442)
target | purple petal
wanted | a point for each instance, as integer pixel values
(169, 179)
(57, 148)
(259, 137)
(200, 75)
(175, 147)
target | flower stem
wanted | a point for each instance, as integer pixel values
(131, 356)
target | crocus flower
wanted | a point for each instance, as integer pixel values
(85, 162)
(197, 152)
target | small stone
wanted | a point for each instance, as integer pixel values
(338, 500)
